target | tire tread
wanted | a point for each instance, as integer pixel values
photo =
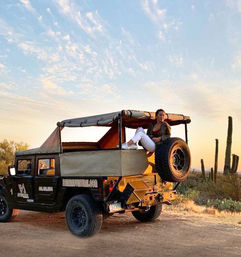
(162, 160)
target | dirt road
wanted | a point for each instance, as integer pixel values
(38, 234)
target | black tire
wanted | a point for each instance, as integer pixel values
(83, 216)
(149, 215)
(5, 211)
(173, 160)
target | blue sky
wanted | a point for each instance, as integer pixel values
(67, 58)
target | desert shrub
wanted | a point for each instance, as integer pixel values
(204, 192)
(229, 187)
(225, 204)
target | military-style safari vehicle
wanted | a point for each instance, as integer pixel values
(92, 180)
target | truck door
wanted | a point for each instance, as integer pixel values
(23, 180)
(46, 179)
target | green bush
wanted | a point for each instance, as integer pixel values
(7, 152)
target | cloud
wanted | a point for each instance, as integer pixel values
(197, 98)
(3, 68)
(89, 22)
(8, 32)
(128, 37)
(86, 88)
(106, 88)
(176, 60)
(53, 34)
(147, 66)
(51, 88)
(234, 4)
(160, 18)
(4, 86)
(131, 72)
(161, 36)
(237, 62)
(28, 111)
(49, 11)
(48, 84)
(161, 90)
(66, 37)
(98, 92)
(42, 53)
(89, 51)
(97, 24)
(66, 58)
(29, 47)
(27, 5)
(152, 10)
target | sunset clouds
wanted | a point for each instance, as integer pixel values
(66, 58)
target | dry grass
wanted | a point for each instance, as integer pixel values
(190, 208)
(225, 194)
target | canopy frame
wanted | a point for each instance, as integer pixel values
(124, 118)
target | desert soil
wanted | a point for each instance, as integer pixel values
(177, 232)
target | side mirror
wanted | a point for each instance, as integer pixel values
(11, 170)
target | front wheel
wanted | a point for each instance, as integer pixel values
(5, 211)
(83, 216)
(148, 215)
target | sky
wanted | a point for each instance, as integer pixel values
(63, 59)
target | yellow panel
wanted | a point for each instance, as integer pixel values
(168, 196)
(140, 194)
(143, 184)
(132, 199)
(151, 163)
(138, 184)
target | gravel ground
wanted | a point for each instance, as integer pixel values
(172, 234)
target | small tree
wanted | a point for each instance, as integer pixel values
(7, 152)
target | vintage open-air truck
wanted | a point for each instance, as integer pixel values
(92, 180)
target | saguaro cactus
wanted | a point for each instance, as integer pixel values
(212, 175)
(203, 170)
(216, 161)
(235, 161)
(226, 169)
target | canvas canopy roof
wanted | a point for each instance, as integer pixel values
(51, 145)
(130, 119)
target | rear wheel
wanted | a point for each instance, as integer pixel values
(148, 215)
(83, 216)
(5, 211)
(173, 160)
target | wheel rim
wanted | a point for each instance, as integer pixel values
(180, 161)
(79, 217)
(3, 207)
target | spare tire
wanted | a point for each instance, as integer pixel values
(173, 160)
